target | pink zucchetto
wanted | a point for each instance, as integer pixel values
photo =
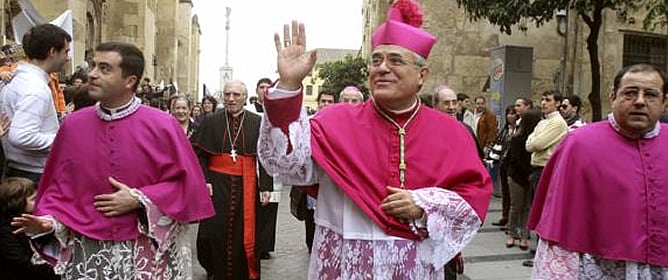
(403, 28)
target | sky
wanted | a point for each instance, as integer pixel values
(252, 54)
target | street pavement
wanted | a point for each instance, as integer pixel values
(486, 258)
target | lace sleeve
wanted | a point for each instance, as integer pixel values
(296, 166)
(451, 223)
(554, 262)
(155, 224)
(54, 247)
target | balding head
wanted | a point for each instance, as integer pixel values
(234, 96)
(351, 95)
(445, 100)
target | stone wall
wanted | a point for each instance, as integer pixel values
(155, 26)
(460, 57)
(183, 37)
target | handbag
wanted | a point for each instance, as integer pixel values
(497, 150)
(298, 207)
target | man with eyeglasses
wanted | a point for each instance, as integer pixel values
(602, 204)
(226, 144)
(445, 100)
(401, 190)
(570, 111)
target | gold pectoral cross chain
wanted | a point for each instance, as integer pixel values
(401, 130)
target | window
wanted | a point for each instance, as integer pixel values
(309, 90)
(645, 49)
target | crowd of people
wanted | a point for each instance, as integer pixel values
(387, 187)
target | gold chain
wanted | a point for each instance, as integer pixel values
(401, 130)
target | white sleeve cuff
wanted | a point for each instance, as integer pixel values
(276, 93)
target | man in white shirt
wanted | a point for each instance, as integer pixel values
(27, 100)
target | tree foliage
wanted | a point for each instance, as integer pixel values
(349, 71)
(507, 14)
(657, 14)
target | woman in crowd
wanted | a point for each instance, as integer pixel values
(195, 111)
(180, 109)
(519, 168)
(498, 153)
(209, 105)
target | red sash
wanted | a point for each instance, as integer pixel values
(245, 167)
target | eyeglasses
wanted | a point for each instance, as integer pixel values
(449, 102)
(649, 94)
(563, 107)
(393, 59)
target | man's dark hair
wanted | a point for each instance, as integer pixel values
(40, 39)
(640, 68)
(462, 96)
(132, 59)
(263, 81)
(555, 94)
(327, 92)
(575, 101)
(526, 101)
(480, 97)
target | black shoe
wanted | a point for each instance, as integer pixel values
(528, 263)
(265, 256)
(500, 222)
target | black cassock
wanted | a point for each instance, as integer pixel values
(220, 241)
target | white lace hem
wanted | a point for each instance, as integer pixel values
(451, 223)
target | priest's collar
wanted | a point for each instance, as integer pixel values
(111, 114)
(396, 112)
(654, 133)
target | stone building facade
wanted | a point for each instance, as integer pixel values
(165, 30)
(460, 57)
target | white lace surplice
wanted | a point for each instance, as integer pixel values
(554, 262)
(348, 244)
(162, 251)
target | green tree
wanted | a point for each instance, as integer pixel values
(345, 72)
(657, 14)
(506, 14)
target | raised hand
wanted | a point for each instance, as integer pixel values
(117, 203)
(294, 62)
(30, 224)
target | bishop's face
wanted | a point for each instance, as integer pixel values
(394, 77)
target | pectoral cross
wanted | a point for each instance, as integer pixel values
(233, 154)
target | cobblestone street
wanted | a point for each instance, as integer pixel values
(486, 258)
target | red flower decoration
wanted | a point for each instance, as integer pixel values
(410, 11)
